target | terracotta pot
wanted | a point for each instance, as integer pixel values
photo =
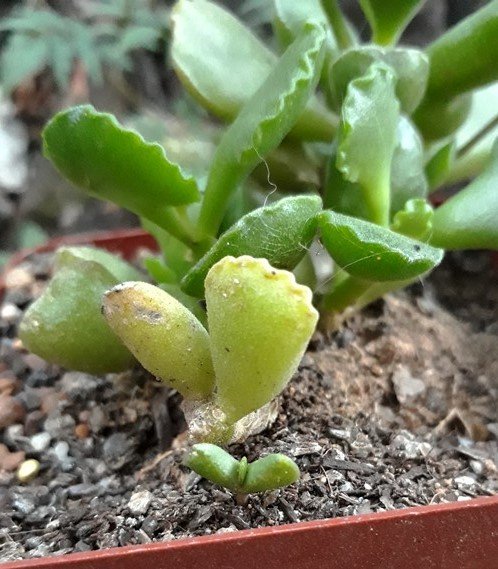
(462, 535)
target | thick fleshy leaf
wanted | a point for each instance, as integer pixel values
(94, 152)
(367, 137)
(263, 122)
(408, 179)
(415, 220)
(215, 464)
(463, 58)
(281, 233)
(374, 253)
(389, 18)
(224, 79)
(469, 220)
(119, 269)
(165, 337)
(340, 194)
(65, 325)
(440, 163)
(410, 65)
(260, 322)
(269, 473)
(292, 16)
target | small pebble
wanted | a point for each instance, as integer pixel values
(82, 431)
(139, 502)
(28, 470)
(11, 411)
(40, 441)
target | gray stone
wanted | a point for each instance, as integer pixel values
(139, 502)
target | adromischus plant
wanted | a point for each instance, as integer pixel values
(359, 135)
(268, 473)
(260, 322)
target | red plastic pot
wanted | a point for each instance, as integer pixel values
(462, 535)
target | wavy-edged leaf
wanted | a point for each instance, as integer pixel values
(65, 326)
(94, 152)
(260, 322)
(410, 65)
(281, 233)
(415, 220)
(269, 473)
(469, 220)
(263, 122)
(224, 79)
(389, 18)
(374, 253)
(165, 337)
(367, 137)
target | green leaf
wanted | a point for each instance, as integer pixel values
(415, 220)
(263, 123)
(440, 164)
(374, 253)
(464, 58)
(389, 18)
(65, 326)
(367, 137)
(281, 233)
(260, 322)
(119, 268)
(165, 337)
(175, 253)
(411, 67)
(408, 179)
(292, 16)
(340, 194)
(214, 464)
(269, 473)
(469, 220)
(95, 153)
(223, 80)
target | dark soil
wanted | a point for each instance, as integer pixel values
(397, 409)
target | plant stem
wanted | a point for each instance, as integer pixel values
(344, 292)
(343, 33)
(180, 227)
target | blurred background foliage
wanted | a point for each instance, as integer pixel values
(114, 54)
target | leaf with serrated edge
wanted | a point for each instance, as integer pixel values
(370, 113)
(469, 220)
(410, 65)
(389, 18)
(281, 233)
(165, 337)
(260, 322)
(415, 220)
(263, 122)
(97, 154)
(374, 253)
(223, 80)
